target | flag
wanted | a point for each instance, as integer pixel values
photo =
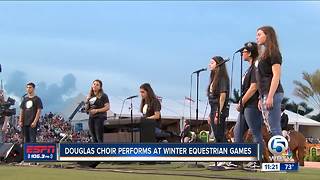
(188, 99)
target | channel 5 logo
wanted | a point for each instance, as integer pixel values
(277, 145)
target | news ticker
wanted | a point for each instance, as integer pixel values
(278, 167)
(142, 152)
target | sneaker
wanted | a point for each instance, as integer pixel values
(248, 165)
(255, 165)
(214, 167)
(23, 163)
(222, 164)
(232, 165)
(34, 164)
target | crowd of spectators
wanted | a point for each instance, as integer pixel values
(51, 128)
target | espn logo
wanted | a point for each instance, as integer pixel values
(39, 149)
(40, 152)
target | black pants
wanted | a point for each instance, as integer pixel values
(220, 128)
(29, 134)
(96, 129)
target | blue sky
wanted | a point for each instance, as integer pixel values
(128, 43)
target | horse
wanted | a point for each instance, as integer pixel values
(296, 142)
(248, 138)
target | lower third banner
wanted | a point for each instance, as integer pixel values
(159, 152)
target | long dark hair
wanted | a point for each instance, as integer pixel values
(100, 91)
(219, 73)
(271, 44)
(151, 96)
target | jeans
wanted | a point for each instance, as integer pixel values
(96, 129)
(240, 128)
(220, 128)
(29, 134)
(273, 116)
(161, 133)
(253, 117)
(1, 134)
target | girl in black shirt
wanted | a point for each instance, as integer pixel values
(268, 78)
(97, 105)
(218, 94)
(250, 96)
(150, 107)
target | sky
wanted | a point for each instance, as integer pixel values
(64, 46)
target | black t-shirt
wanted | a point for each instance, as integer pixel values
(29, 107)
(150, 109)
(265, 74)
(250, 78)
(97, 103)
(153, 107)
(223, 86)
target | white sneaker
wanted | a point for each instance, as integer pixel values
(222, 164)
(213, 164)
(232, 165)
(249, 165)
(255, 166)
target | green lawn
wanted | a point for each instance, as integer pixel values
(175, 171)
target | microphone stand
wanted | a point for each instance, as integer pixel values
(196, 165)
(131, 118)
(241, 88)
(197, 103)
(131, 113)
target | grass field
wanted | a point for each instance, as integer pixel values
(176, 171)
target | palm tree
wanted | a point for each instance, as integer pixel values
(309, 89)
(316, 117)
(294, 107)
(236, 96)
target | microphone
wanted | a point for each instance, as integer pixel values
(200, 70)
(239, 50)
(249, 45)
(131, 97)
(224, 61)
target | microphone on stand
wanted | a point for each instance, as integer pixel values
(131, 113)
(224, 61)
(240, 50)
(200, 70)
(247, 45)
(131, 97)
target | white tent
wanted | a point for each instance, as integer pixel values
(307, 126)
(180, 109)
